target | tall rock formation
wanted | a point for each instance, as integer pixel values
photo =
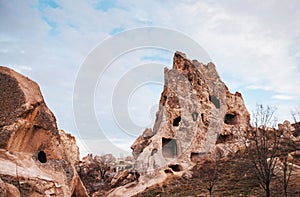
(34, 156)
(197, 115)
(196, 111)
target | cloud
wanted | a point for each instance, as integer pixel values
(282, 97)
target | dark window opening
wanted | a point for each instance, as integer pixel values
(195, 157)
(186, 66)
(153, 151)
(176, 167)
(169, 148)
(42, 157)
(176, 121)
(195, 116)
(190, 77)
(202, 117)
(167, 171)
(215, 101)
(230, 119)
(223, 139)
(164, 100)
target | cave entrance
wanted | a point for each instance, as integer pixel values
(169, 148)
(42, 157)
(231, 119)
(176, 167)
(176, 121)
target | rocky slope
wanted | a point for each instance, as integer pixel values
(36, 158)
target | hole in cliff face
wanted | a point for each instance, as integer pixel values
(154, 151)
(167, 171)
(176, 121)
(223, 138)
(186, 66)
(231, 119)
(215, 101)
(169, 148)
(164, 100)
(195, 116)
(42, 157)
(175, 167)
(202, 117)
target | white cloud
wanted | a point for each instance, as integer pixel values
(282, 97)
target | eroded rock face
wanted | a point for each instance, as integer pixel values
(196, 110)
(32, 150)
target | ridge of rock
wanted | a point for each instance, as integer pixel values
(36, 158)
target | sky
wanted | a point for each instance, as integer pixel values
(255, 46)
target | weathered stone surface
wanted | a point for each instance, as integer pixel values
(8, 190)
(71, 148)
(195, 110)
(34, 155)
(197, 115)
(100, 173)
(141, 142)
(287, 130)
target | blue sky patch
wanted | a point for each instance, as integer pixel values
(104, 5)
(47, 3)
(116, 30)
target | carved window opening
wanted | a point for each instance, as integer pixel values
(176, 121)
(169, 148)
(231, 119)
(223, 138)
(176, 167)
(42, 157)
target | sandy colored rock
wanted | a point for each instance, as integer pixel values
(195, 110)
(32, 150)
(8, 190)
(197, 115)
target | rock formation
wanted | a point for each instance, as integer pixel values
(197, 115)
(100, 174)
(35, 158)
(195, 111)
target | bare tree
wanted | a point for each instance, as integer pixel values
(209, 171)
(263, 146)
(287, 165)
(296, 114)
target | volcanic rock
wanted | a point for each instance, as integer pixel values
(34, 156)
(195, 110)
(197, 115)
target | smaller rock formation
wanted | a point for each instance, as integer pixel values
(35, 158)
(102, 173)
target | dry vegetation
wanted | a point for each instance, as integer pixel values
(235, 178)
